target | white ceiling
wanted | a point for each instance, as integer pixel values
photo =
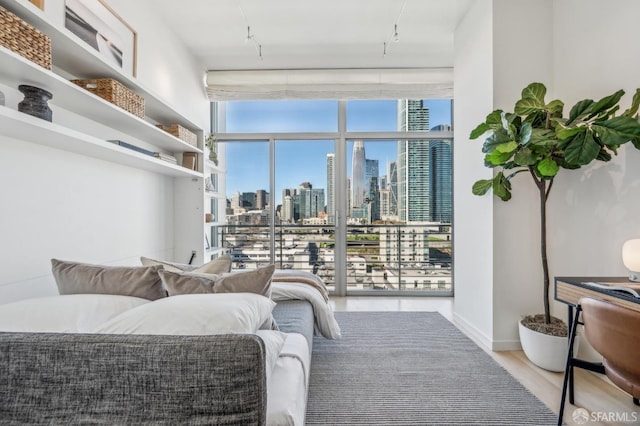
(320, 34)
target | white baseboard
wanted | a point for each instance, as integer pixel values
(482, 339)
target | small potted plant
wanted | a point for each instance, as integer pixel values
(210, 142)
(539, 141)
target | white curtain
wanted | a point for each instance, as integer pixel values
(341, 84)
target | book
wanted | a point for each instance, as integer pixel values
(632, 289)
(131, 146)
(166, 157)
(190, 160)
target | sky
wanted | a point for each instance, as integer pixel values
(297, 161)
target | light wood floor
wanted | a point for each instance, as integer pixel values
(606, 404)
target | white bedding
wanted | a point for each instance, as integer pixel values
(325, 322)
(287, 389)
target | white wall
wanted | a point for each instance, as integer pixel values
(473, 231)
(595, 209)
(567, 45)
(68, 206)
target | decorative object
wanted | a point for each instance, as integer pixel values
(631, 258)
(210, 143)
(35, 102)
(114, 92)
(208, 218)
(38, 3)
(23, 39)
(181, 133)
(190, 160)
(539, 141)
(206, 239)
(95, 23)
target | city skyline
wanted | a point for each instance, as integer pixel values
(306, 160)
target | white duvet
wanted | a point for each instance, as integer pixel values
(325, 322)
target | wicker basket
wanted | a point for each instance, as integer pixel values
(181, 133)
(115, 92)
(21, 38)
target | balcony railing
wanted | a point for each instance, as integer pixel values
(389, 257)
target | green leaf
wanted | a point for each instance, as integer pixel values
(501, 187)
(525, 157)
(495, 118)
(491, 143)
(497, 158)
(636, 142)
(548, 167)
(582, 149)
(603, 155)
(479, 131)
(532, 99)
(555, 107)
(525, 133)
(635, 104)
(580, 109)
(606, 103)
(617, 130)
(507, 147)
(570, 132)
(482, 186)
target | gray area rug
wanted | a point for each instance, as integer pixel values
(407, 368)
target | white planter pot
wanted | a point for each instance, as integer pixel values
(545, 351)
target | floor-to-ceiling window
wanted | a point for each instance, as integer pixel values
(357, 192)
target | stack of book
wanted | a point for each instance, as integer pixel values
(166, 157)
(160, 155)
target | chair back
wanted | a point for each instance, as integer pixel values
(614, 331)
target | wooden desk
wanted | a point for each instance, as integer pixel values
(569, 290)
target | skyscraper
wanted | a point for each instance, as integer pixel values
(424, 169)
(358, 184)
(331, 189)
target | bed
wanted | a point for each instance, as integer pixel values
(116, 359)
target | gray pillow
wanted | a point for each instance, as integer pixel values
(254, 281)
(83, 278)
(217, 266)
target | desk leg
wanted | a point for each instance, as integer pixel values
(570, 324)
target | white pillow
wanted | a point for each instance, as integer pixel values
(273, 344)
(194, 314)
(71, 313)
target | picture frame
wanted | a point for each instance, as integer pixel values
(38, 3)
(100, 27)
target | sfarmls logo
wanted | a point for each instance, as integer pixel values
(582, 416)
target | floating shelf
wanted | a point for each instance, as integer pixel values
(74, 98)
(21, 126)
(77, 58)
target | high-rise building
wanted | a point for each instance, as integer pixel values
(358, 184)
(331, 188)
(262, 199)
(424, 169)
(392, 186)
(310, 200)
(288, 211)
(370, 172)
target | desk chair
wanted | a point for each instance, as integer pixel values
(613, 331)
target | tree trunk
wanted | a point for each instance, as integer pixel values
(542, 188)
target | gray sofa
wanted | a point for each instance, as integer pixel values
(53, 378)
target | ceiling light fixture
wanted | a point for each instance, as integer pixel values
(386, 46)
(251, 38)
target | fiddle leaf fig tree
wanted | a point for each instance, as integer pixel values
(536, 139)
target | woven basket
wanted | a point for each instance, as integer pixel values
(21, 38)
(181, 133)
(115, 92)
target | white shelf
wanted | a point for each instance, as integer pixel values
(212, 194)
(32, 129)
(74, 98)
(77, 58)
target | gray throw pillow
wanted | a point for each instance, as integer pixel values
(83, 278)
(254, 281)
(219, 265)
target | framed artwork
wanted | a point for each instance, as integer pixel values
(38, 3)
(95, 23)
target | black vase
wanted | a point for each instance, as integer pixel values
(35, 102)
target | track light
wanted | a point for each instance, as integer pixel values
(396, 38)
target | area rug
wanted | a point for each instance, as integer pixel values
(408, 368)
